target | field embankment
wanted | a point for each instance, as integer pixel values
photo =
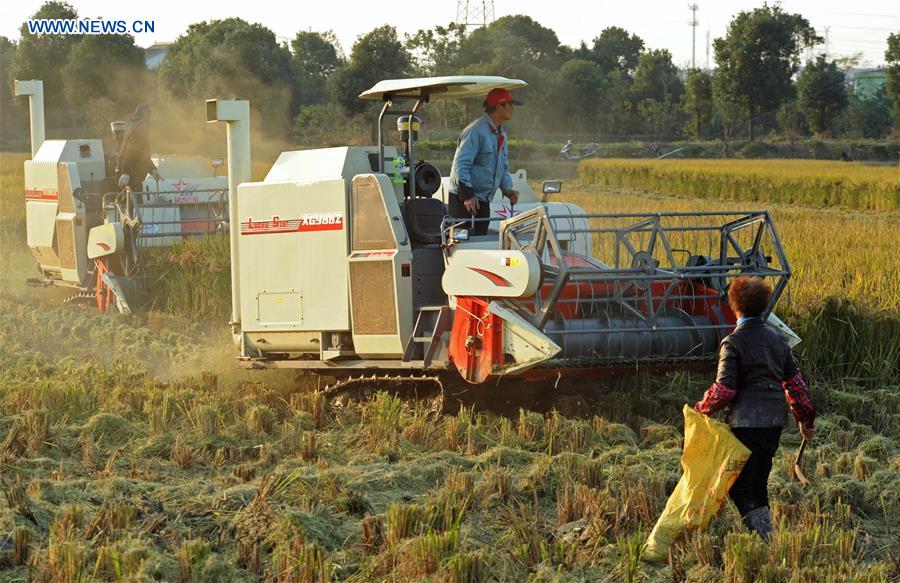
(811, 183)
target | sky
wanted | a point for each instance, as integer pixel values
(851, 27)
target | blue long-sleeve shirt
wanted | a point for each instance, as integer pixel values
(481, 161)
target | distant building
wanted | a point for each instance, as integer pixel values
(154, 54)
(865, 82)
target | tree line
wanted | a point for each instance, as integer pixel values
(616, 87)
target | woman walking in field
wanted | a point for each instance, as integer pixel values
(757, 381)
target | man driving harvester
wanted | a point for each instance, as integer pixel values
(133, 161)
(481, 163)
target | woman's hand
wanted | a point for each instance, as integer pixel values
(807, 431)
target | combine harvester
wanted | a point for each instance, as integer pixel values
(346, 264)
(86, 233)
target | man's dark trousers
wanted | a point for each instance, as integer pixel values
(459, 211)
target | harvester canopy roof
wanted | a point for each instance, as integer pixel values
(452, 87)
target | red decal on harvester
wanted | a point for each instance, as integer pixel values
(308, 222)
(103, 246)
(37, 194)
(495, 279)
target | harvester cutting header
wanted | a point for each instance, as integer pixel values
(345, 261)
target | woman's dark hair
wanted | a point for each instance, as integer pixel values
(749, 295)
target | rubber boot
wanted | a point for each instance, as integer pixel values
(759, 520)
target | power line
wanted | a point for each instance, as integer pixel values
(869, 14)
(891, 28)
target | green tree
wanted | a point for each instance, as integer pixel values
(375, 56)
(698, 103)
(758, 57)
(216, 54)
(618, 113)
(617, 49)
(892, 56)
(323, 125)
(617, 52)
(12, 114)
(581, 84)
(316, 57)
(659, 118)
(868, 116)
(821, 95)
(729, 117)
(542, 44)
(106, 75)
(791, 123)
(657, 87)
(43, 56)
(656, 77)
(519, 47)
(436, 50)
(236, 59)
(515, 46)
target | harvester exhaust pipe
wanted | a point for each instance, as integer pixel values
(236, 114)
(34, 89)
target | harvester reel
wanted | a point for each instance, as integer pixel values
(755, 259)
(541, 240)
(644, 262)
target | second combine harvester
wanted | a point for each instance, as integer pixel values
(346, 264)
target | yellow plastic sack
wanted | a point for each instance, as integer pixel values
(712, 459)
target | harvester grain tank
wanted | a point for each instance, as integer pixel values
(86, 232)
(347, 264)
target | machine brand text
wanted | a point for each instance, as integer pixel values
(37, 194)
(307, 222)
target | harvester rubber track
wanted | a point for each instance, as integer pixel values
(81, 297)
(422, 388)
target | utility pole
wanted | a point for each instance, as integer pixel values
(693, 24)
(707, 49)
(827, 41)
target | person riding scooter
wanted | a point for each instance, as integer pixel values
(589, 151)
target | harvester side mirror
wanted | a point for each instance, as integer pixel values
(550, 187)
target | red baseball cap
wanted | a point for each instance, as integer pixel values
(498, 97)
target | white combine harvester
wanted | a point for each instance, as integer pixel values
(346, 264)
(86, 233)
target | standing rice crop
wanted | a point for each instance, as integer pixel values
(812, 183)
